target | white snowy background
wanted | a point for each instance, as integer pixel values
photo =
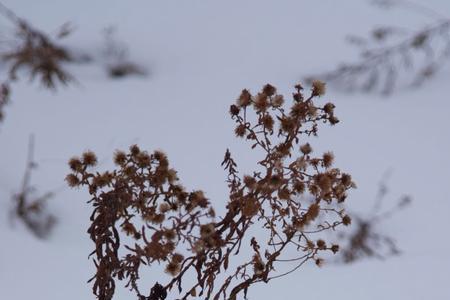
(200, 55)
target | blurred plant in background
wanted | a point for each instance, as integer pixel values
(365, 240)
(43, 57)
(392, 55)
(118, 63)
(36, 52)
(30, 208)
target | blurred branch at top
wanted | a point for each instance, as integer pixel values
(391, 56)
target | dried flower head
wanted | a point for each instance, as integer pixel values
(207, 230)
(245, 99)
(319, 262)
(143, 159)
(170, 234)
(277, 101)
(269, 90)
(72, 180)
(120, 158)
(318, 88)
(164, 207)
(234, 110)
(346, 220)
(261, 102)
(335, 248)
(329, 108)
(333, 120)
(306, 149)
(321, 244)
(268, 122)
(177, 258)
(75, 164)
(89, 158)
(240, 130)
(328, 158)
(287, 124)
(173, 268)
(135, 150)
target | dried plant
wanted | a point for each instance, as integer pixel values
(36, 52)
(117, 55)
(29, 208)
(391, 56)
(365, 239)
(171, 226)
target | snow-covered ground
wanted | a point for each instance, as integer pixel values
(200, 55)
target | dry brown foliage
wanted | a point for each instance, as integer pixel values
(391, 55)
(30, 208)
(169, 225)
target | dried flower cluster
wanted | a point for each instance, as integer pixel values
(143, 198)
(391, 56)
